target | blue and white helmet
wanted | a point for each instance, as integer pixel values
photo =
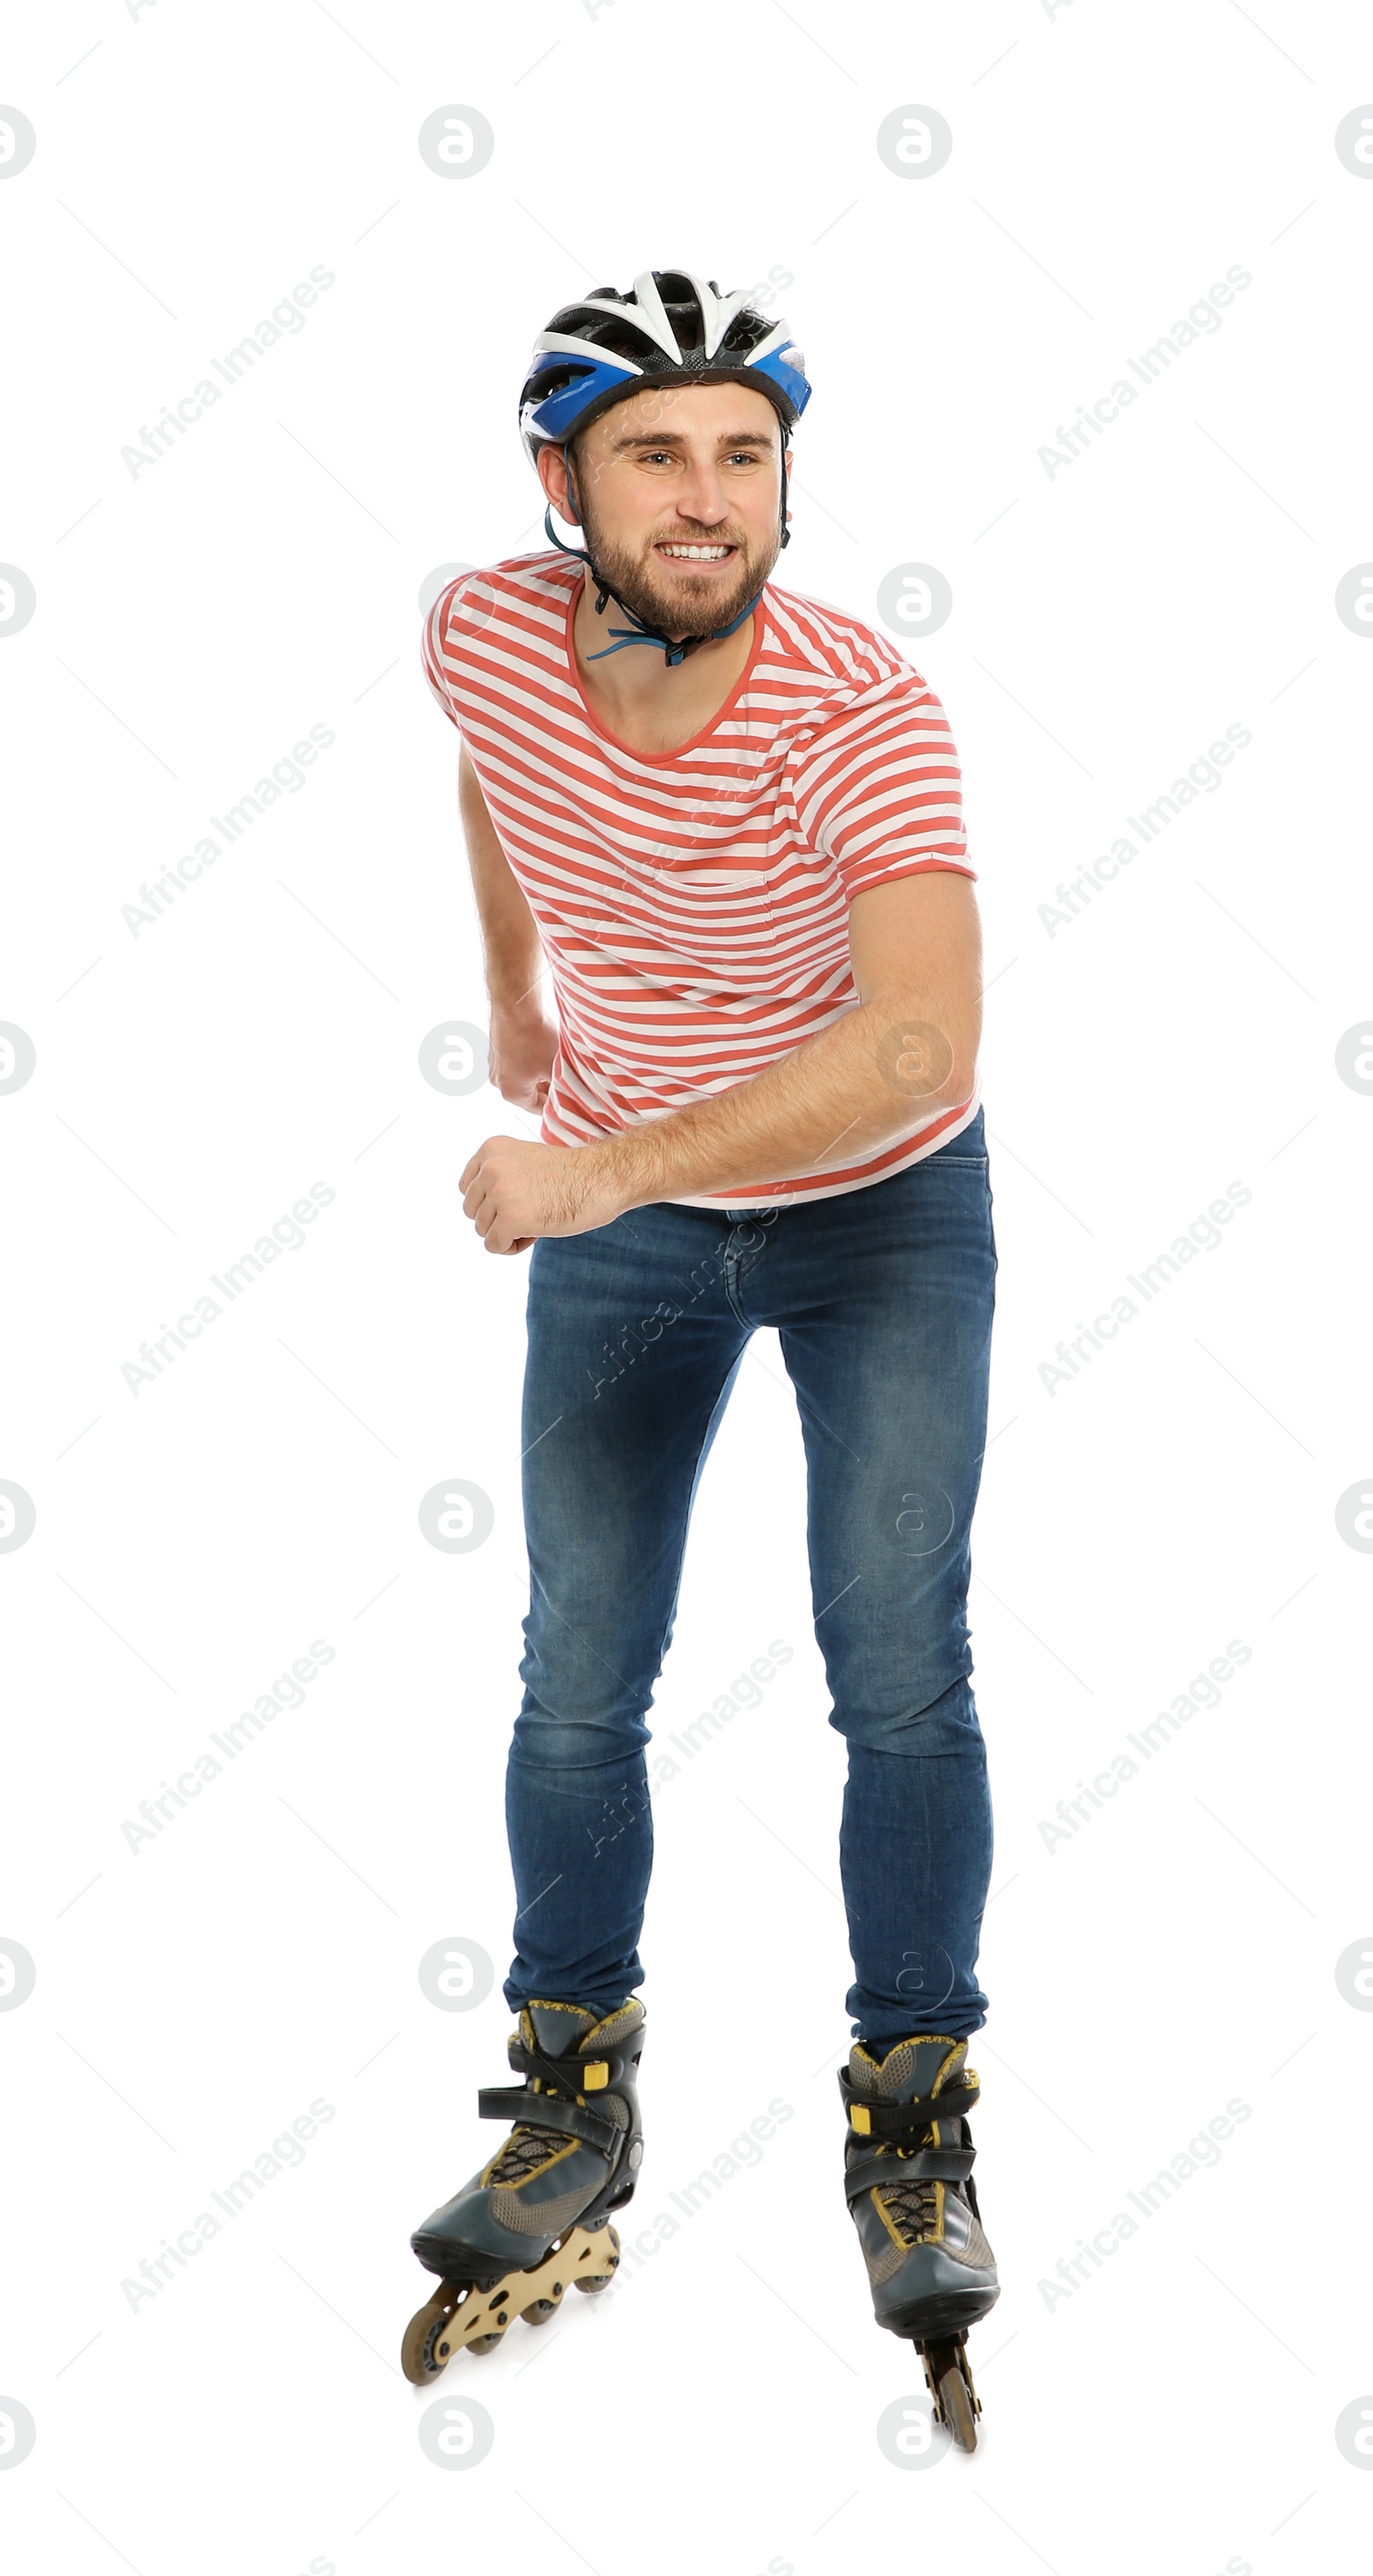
(672, 328)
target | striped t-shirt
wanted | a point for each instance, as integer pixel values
(693, 905)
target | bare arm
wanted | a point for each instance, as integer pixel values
(523, 1042)
(511, 948)
(906, 1051)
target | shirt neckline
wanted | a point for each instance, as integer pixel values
(658, 759)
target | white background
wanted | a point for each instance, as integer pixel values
(193, 620)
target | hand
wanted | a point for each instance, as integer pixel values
(520, 1052)
(514, 1192)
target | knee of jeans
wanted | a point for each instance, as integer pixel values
(546, 1740)
(942, 1722)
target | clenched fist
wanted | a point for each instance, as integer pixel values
(520, 1051)
(514, 1192)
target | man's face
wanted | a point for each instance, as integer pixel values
(679, 496)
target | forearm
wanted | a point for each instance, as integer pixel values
(872, 1075)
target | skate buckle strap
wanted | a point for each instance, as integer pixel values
(548, 2111)
(929, 2164)
(561, 2074)
(870, 2116)
(556, 2106)
(898, 2123)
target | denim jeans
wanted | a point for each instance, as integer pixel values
(883, 1300)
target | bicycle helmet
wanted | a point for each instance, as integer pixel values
(673, 328)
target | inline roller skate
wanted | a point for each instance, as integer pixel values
(536, 2218)
(908, 2176)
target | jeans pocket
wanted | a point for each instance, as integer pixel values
(967, 1147)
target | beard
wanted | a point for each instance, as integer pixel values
(676, 603)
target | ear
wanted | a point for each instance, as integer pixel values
(553, 474)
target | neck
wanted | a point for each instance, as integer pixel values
(636, 689)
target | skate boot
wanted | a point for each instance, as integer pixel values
(536, 2217)
(908, 2175)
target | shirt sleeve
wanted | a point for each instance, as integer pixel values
(878, 789)
(431, 651)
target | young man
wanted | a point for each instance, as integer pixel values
(730, 822)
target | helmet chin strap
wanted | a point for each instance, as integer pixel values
(637, 633)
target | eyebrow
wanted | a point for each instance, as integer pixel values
(673, 438)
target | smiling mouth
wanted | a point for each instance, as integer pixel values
(694, 555)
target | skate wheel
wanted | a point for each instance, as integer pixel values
(484, 2343)
(541, 2311)
(420, 2336)
(601, 2280)
(950, 2384)
(954, 2389)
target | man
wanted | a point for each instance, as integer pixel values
(740, 849)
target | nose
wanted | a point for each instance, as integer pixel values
(701, 498)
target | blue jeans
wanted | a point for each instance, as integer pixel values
(883, 1300)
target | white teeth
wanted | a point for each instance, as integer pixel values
(698, 554)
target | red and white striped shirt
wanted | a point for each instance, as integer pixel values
(693, 905)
